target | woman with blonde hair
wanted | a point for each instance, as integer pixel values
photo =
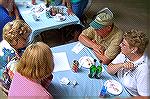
(35, 65)
(15, 37)
(131, 65)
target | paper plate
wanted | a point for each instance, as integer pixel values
(62, 18)
(113, 87)
(86, 61)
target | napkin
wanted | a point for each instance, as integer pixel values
(64, 81)
(78, 47)
(74, 82)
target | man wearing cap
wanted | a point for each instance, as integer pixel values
(103, 37)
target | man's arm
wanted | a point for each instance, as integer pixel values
(90, 43)
(86, 41)
(98, 50)
(102, 56)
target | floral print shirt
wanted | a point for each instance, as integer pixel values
(8, 60)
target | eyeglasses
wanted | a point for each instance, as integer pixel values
(124, 45)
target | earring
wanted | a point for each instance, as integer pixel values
(132, 51)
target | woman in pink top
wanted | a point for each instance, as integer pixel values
(33, 70)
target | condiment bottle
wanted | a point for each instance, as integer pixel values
(99, 70)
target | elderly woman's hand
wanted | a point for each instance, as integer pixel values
(128, 65)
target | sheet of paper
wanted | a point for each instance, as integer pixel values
(78, 47)
(61, 62)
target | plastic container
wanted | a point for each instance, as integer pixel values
(103, 92)
(99, 70)
(92, 71)
(75, 66)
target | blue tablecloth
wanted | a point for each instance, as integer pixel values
(44, 23)
(86, 86)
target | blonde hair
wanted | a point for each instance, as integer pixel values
(137, 39)
(15, 29)
(36, 62)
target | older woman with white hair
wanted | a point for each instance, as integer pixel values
(15, 37)
(131, 65)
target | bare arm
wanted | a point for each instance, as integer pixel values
(12, 9)
(102, 57)
(68, 3)
(114, 68)
(98, 49)
(91, 43)
(86, 41)
(63, 2)
(16, 12)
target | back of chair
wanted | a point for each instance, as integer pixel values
(87, 6)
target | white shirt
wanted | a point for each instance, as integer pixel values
(136, 81)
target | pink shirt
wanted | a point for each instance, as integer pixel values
(23, 88)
